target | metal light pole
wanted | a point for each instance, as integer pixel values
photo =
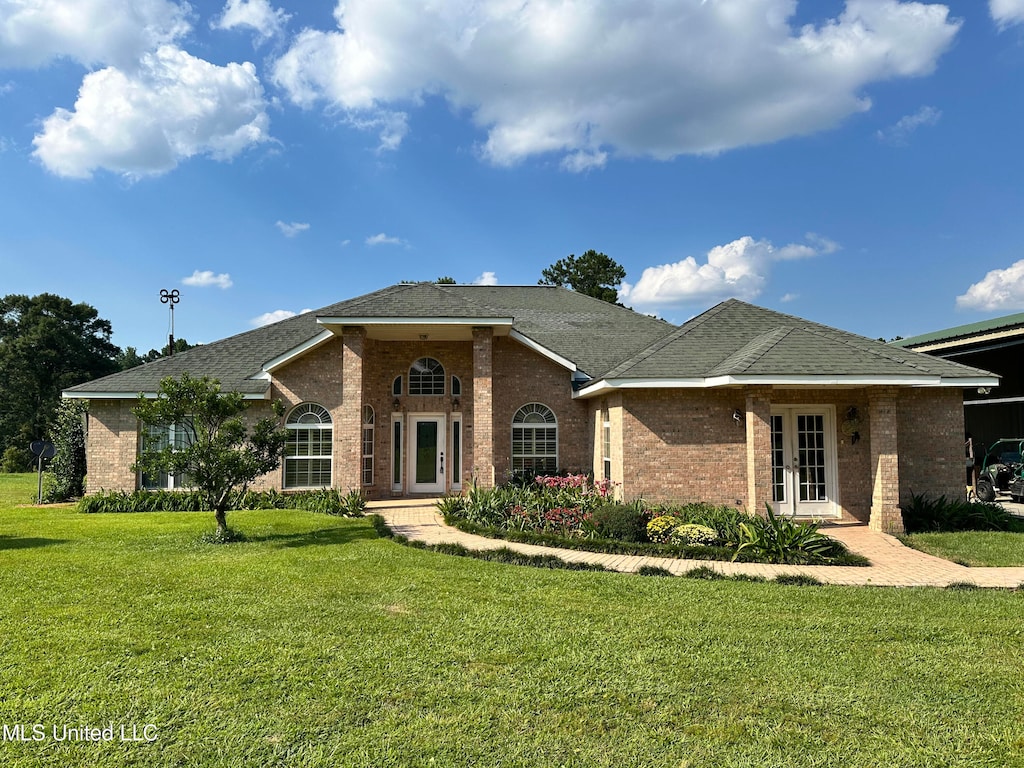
(171, 298)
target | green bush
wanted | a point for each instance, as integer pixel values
(774, 539)
(328, 501)
(66, 479)
(16, 460)
(694, 535)
(941, 515)
(620, 521)
(660, 528)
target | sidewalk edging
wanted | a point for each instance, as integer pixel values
(892, 563)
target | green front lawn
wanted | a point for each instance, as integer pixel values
(318, 643)
(974, 548)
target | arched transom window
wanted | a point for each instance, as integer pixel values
(426, 377)
(534, 440)
(307, 455)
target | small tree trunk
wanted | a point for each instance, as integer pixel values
(222, 520)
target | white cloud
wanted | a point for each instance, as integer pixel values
(391, 127)
(1000, 289)
(258, 15)
(583, 80)
(383, 239)
(581, 161)
(145, 122)
(206, 279)
(275, 317)
(6, 88)
(487, 278)
(739, 269)
(293, 229)
(1007, 12)
(906, 125)
(788, 297)
(118, 32)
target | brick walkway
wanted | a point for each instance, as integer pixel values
(892, 564)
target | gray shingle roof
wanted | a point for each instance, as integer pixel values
(603, 340)
(739, 339)
(592, 333)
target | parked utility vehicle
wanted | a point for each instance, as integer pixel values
(1002, 470)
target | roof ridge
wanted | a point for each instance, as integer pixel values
(755, 349)
(658, 344)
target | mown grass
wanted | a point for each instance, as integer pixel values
(317, 643)
(973, 548)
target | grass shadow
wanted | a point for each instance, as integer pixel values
(27, 542)
(320, 537)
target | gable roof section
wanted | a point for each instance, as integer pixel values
(578, 331)
(735, 343)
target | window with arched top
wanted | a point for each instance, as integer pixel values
(426, 377)
(307, 455)
(534, 440)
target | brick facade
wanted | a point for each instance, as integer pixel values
(671, 445)
(111, 446)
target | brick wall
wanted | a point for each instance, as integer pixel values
(683, 445)
(522, 376)
(931, 443)
(111, 446)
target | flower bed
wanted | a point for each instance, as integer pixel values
(576, 513)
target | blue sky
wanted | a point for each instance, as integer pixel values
(855, 163)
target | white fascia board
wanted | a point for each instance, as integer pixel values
(542, 350)
(281, 360)
(608, 385)
(482, 321)
(136, 395)
(995, 401)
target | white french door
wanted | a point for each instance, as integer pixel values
(426, 454)
(804, 461)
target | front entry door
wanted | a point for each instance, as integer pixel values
(803, 462)
(426, 459)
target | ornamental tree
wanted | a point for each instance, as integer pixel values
(215, 451)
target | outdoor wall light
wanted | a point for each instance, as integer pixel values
(455, 404)
(737, 416)
(397, 404)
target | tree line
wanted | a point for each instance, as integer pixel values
(47, 344)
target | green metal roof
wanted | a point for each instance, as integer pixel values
(963, 331)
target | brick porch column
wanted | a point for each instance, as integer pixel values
(759, 448)
(483, 408)
(348, 430)
(886, 515)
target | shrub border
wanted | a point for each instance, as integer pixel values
(613, 547)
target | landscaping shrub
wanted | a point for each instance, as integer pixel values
(66, 478)
(798, 580)
(620, 521)
(328, 501)
(693, 534)
(661, 527)
(774, 539)
(942, 515)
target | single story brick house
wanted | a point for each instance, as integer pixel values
(424, 389)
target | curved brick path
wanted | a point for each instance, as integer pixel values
(892, 564)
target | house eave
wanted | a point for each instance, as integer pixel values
(540, 349)
(282, 360)
(96, 395)
(421, 328)
(604, 386)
